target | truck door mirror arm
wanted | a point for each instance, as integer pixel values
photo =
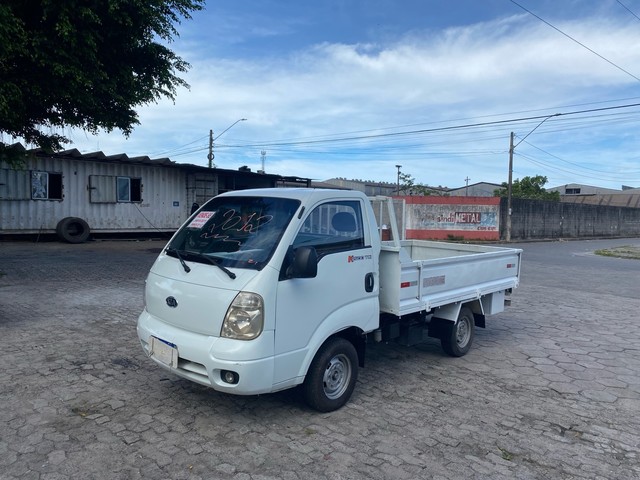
(302, 262)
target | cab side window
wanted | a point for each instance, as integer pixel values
(332, 227)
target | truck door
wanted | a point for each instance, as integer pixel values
(343, 293)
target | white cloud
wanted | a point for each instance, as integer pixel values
(503, 67)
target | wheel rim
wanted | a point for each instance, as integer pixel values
(336, 376)
(463, 331)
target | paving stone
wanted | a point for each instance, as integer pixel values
(549, 390)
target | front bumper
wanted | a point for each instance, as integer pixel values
(202, 358)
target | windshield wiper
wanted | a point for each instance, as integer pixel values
(216, 262)
(182, 262)
(201, 256)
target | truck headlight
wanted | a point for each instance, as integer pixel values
(245, 318)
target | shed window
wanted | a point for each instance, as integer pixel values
(46, 185)
(129, 189)
(112, 189)
(124, 189)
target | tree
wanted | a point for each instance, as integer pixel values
(408, 186)
(528, 187)
(85, 63)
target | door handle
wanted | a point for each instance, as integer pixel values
(369, 282)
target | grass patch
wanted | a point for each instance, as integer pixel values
(506, 455)
(625, 251)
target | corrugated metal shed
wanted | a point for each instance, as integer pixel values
(110, 193)
(70, 184)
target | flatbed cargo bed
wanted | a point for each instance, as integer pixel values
(420, 275)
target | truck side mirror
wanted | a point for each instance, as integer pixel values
(305, 263)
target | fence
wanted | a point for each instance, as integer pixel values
(533, 219)
(485, 218)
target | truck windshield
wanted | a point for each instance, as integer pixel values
(237, 232)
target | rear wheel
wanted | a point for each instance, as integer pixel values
(332, 375)
(457, 338)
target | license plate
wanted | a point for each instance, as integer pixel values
(164, 352)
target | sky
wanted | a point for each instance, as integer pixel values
(353, 88)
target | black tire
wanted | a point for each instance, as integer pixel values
(332, 375)
(73, 230)
(457, 338)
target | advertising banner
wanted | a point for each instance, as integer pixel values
(473, 218)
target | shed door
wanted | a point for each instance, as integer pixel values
(14, 184)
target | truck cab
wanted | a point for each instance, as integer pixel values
(262, 290)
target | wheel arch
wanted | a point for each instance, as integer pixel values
(353, 334)
(451, 312)
(357, 337)
(448, 312)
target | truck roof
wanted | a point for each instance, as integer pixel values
(297, 193)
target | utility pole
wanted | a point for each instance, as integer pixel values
(212, 139)
(210, 156)
(263, 156)
(398, 167)
(466, 189)
(510, 182)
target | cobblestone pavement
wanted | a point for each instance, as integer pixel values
(550, 389)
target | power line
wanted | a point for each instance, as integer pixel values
(591, 173)
(573, 173)
(627, 9)
(431, 130)
(182, 150)
(567, 161)
(380, 147)
(576, 41)
(177, 149)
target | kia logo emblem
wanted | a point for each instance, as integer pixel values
(172, 302)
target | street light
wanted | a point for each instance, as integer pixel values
(398, 167)
(210, 156)
(512, 147)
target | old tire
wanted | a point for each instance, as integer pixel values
(332, 375)
(73, 230)
(457, 338)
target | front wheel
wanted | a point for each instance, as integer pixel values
(332, 375)
(457, 338)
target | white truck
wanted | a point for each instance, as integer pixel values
(263, 290)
